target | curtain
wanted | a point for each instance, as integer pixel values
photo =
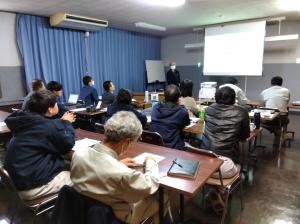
(66, 55)
(119, 56)
(51, 53)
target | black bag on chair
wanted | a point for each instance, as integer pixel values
(74, 208)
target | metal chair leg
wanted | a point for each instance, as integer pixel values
(226, 205)
(203, 198)
(170, 215)
(241, 196)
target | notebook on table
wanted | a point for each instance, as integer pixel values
(184, 168)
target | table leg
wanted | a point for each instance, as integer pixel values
(161, 204)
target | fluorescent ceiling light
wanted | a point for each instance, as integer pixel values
(167, 3)
(150, 26)
(282, 37)
(289, 5)
(193, 45)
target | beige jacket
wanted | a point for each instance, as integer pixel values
(97, 173)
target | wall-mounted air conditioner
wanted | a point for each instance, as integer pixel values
(77, 22)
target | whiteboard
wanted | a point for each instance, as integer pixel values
(155, 71)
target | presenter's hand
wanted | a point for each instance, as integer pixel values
(68, 116)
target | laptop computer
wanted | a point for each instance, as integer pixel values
(72, 100)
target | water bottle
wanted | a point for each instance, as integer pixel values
(202, 114)
(256, 120)
(146, 96)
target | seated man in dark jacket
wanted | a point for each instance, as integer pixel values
(88, 94)
(34, 156)
(108, 96)
(56, 88)
(169, 118)
(225, 125)
(123, 103)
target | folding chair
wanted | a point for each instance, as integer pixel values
(38, 206)
(152, 138)
(229, 184)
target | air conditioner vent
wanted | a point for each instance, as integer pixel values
(77, 22)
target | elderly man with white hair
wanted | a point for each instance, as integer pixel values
(97, 173)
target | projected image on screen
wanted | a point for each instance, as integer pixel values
(235, 50)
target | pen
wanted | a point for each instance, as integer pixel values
(174, 161)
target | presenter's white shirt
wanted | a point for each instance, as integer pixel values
(276, 97)
(240, 97)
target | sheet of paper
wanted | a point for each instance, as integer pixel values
(141, 158)
(194, 119)
(84, 143)
(78, 109)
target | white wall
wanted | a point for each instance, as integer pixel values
(9, 53)
(11, 69)
(292, 51)
(172, 47)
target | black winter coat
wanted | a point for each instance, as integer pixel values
(225, 126)
(34, 154)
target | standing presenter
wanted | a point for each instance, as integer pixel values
(173, 76)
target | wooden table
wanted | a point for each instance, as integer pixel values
(86, 120)
(188, 187)
(8, 105)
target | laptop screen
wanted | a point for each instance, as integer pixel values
(73, 98)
